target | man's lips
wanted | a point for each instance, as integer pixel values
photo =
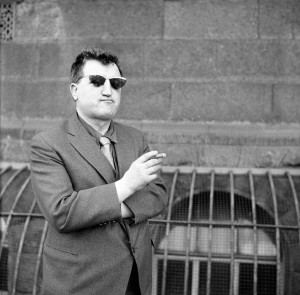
(107, 100)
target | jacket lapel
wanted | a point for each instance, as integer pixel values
(88, 148)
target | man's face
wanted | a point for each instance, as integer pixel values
(97, 102)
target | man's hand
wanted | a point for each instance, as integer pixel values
(140, 173)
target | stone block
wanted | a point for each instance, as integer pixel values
(40, 20)
(15, 133)
(211, 19)
(251, 57)
(19, 60)
(219, 155)
(211, 155)
(275, 18)
(177, 154)
(56, 58)
(295, 18)
(36, 99)
(145, 101)
(130, 53)
(221, 102)
(12, 97)
(263, 156)
(180, 59)
(289, 57)
(118, 18)
(287, 102)
(54, 101)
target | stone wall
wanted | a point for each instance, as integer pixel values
(211, 82)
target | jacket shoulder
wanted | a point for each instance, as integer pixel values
(53, 134)
(128, 130)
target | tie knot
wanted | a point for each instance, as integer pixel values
(104, 140)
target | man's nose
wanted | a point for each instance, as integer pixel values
(106, 90)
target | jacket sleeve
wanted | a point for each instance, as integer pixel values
(151, 200)
(64, 208)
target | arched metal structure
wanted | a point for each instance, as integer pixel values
(218, 220)
(228, 231)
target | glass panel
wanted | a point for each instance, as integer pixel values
(220, 278)
(246, 281)
(177, 239)
(267, 282)
(202, 278)
(4, 269)
(220, 240)
(174, 277)
(182, 192)
(199, 240)
(265, 238)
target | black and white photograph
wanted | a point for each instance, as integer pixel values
(150, 147)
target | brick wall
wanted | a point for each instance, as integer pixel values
(211, 82)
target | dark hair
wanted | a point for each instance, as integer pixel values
(94, 53)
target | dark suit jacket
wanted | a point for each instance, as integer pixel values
(86, 250)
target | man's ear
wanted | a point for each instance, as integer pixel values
(73, 89)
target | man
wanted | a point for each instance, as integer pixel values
(97, 197)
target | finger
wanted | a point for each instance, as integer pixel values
(145, 157)
(153, 169)
(152, 162)
(158, 156)
(161, 155)
(152, 177)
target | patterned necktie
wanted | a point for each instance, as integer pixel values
(106, 149)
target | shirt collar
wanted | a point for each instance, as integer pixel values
(110, 133)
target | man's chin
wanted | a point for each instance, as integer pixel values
(106, 117)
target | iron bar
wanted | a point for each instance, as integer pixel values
(232, 229)
(226, 224)
(295, 200)
(5, 169)
(218, 257)
(19, 214)
(39, 258)
(188, 234)
(211, 205)
(278, 265)
(22, 239)
(172, 193)
(255, 248)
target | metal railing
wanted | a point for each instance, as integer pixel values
(200, 233)
(263, 202)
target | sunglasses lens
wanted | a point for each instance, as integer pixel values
(117, 83)
(97, 80)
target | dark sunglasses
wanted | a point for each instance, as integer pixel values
(98, 80)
